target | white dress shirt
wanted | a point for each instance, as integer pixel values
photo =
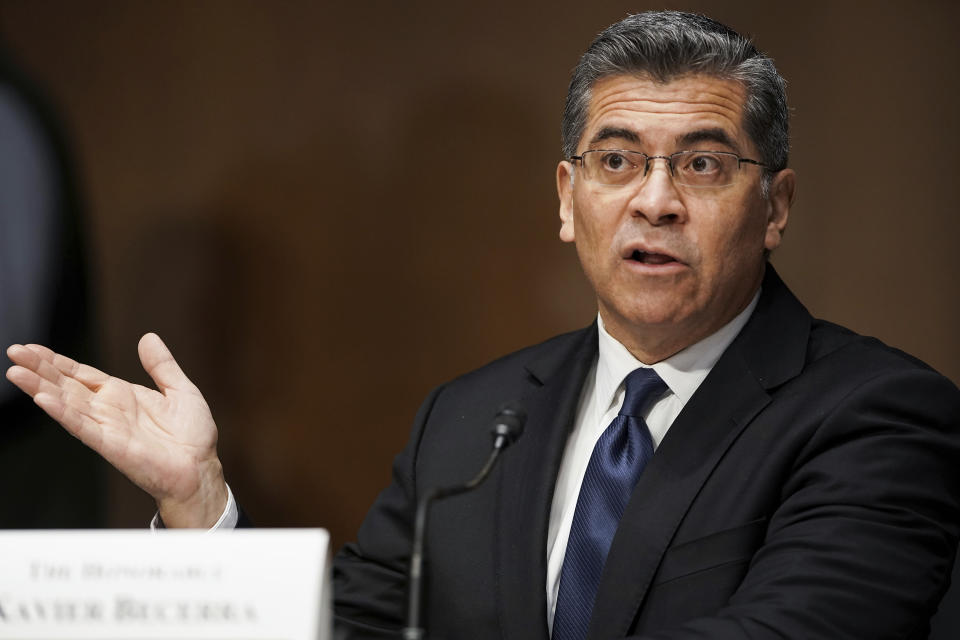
(600, 401)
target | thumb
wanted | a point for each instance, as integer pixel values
(159, 363)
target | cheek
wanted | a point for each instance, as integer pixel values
(745, 244)
(727, 242)
(590, 243)
(601, 207)
(594, 229)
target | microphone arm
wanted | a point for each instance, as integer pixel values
(507, 427)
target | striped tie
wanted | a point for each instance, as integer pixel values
(615, 465)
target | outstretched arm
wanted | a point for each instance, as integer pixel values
(165, 441)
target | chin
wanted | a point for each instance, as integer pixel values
(652, 314)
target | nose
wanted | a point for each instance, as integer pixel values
(655, 196)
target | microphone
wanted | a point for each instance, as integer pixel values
(507, 427)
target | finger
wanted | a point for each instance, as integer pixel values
(35, 361)
(87, 375)
(24, 356)
(28, 381)
(32, 383)
(65, 411)
(84, 414)
(57, 369)
(33, 357)
(160, 365)
(35, 385)
(46, 353)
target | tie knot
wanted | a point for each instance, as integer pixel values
(642, 386)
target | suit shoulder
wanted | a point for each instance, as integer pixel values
(457, 414)
(535, 359)
(510, 377)
(859, 358)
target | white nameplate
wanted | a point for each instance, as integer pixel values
(250, 584)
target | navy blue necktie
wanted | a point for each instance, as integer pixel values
(615, 465)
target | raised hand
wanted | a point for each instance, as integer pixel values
(165, 441)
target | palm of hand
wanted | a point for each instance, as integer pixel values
(164, 441)
(158, 439)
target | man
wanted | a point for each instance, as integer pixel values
(804, 481)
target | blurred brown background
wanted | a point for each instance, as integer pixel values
(317, 204)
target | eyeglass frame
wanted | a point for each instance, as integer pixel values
(669, 160)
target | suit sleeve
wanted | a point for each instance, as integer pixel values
(864, 539)
(370, 575)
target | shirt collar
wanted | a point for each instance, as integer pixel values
(683, 372)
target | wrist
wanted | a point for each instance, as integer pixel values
(204, 507)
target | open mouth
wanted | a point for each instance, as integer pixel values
(645, 257)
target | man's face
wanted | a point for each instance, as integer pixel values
(670, 265)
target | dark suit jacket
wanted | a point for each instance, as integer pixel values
(809, 489)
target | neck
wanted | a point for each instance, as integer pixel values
(653, 348)
(651, 344)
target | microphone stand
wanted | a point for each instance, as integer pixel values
(507, 427)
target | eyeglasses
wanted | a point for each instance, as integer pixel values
(700, 169)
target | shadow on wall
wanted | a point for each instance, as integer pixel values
(51, 480)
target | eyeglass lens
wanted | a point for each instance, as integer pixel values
(688, 168)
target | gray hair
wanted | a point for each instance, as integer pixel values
(668, 44)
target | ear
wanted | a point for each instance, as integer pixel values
(782, 191)
(565, 192)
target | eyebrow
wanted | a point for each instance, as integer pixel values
(607, 133)
(713, 134)
(706, 135)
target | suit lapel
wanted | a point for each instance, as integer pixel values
(526, 485)
(769, 351)
(693, 445)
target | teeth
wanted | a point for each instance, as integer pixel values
(650, 258)
(656, 258)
